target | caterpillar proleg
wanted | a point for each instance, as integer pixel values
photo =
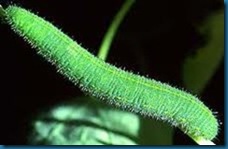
(107, 82)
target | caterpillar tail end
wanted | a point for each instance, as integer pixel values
(202, 141)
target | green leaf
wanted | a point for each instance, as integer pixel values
(199, 69)
(87, 123)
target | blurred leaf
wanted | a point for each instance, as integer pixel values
(199, 69)
(87, 123)
(154, 132)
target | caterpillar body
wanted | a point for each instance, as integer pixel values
(105, 81)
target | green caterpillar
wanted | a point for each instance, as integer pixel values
(121, 88)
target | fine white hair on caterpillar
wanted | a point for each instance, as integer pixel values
(111, 84)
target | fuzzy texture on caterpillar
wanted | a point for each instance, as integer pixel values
(116, 86)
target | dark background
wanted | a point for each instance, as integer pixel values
(154, 39)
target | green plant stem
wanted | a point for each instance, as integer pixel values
(111, 32)
(202, 141)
